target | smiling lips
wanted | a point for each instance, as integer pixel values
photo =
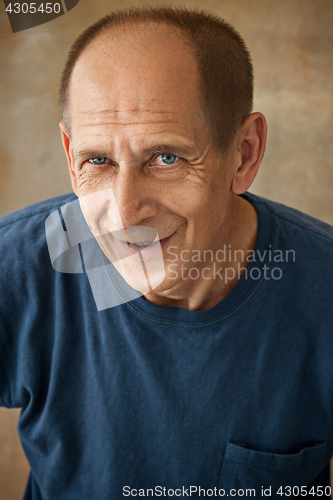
(145, 246)
(138, 236)
(139, 245)
(140, 241)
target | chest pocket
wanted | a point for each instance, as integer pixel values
(244, 468)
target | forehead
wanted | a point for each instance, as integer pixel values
(143, 68)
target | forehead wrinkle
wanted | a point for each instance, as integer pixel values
(127, 111)
(172, 136)
(126, 124)
(153, 106)
(97, 135)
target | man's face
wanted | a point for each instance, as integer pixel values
(142, 159)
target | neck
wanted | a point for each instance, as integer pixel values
(219, 277)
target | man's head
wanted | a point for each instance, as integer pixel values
(142, 149)
(219, 53)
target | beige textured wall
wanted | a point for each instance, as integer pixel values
(292, 46)
(291, 42)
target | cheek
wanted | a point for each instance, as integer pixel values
(90, 181)
(99, 207)
(205, 213)
(196, 204)
(94, 207)
(203, 194)
(182, 198)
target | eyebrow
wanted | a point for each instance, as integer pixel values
(169, 148)
(84, 154)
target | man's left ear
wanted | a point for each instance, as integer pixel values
(250, 151)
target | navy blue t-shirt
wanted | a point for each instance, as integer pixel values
(153, 401)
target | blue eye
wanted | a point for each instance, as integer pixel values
(167, 159)
(98, 161)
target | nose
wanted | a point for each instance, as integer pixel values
(133, 197)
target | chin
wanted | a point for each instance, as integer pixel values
(142, 278)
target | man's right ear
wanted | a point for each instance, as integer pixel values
(66, 141)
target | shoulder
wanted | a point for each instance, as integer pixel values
(293, 224)
(23, 244)
(302, 247)
(34, 213)
(24, 229)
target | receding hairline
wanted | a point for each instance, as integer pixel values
(125, 31)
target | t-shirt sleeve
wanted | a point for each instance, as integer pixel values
(24, 263)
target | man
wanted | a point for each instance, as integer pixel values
(218, 381)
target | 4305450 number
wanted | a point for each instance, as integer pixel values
(295, 491)
(31, 8)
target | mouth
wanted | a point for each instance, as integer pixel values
(139, 238)
(137, 242)
(147, 246)
(140, 245)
